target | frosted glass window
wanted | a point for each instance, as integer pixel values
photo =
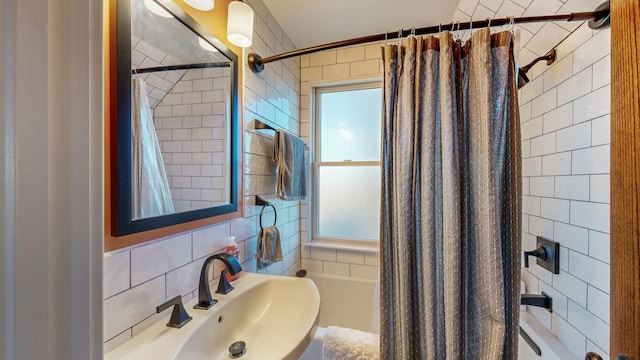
(350, 124)
(346, 176)
(349, 202)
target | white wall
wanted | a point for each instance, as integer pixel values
(137, 279)
(345, 65)
(51, 155)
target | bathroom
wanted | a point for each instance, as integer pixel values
(565, 131)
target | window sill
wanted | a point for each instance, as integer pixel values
(332, 245)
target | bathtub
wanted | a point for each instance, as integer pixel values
(349, 302)
(345, 302)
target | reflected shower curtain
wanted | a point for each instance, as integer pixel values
(151, 193)
(450, 238)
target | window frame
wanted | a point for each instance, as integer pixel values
(316, 122)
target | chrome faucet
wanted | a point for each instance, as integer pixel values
(205, 301)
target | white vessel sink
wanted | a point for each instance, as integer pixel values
(275, 316)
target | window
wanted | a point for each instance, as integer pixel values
(346, 184)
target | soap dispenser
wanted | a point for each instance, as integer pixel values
(232, 249)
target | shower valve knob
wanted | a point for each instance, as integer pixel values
(540, 252)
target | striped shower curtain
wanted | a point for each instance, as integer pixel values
(450, 237)
(151, 192)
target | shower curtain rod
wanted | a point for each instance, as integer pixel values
(180, 67)
(598, 19)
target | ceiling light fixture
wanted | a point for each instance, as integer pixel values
(202, 5)
(240, 24)
(155, 8)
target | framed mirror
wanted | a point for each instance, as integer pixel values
(176, 134)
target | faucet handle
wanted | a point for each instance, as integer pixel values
(540, 252)
(223, 285)
(179, 316)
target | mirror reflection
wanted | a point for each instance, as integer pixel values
(180, 116)
(175, 157)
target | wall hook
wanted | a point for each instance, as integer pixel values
(260, 201)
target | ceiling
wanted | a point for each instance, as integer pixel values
(313, 22)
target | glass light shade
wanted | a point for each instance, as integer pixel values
(202, 5)
(240, 24)
(157, 9)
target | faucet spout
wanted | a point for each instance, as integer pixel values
(205, 301)
(543, 301)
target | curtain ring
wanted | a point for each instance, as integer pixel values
(454, 30)
(413, 31)
(471, 25)
(275, 214)
(512, 23)
(439, 27)
(489, 24)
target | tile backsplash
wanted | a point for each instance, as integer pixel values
(138, 279)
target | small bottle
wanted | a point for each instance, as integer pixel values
(232, 249)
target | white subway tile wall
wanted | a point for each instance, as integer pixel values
(564, 113)
(351, 64)
(567, 170)
(138, 279)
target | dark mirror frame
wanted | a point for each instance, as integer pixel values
(122, 190)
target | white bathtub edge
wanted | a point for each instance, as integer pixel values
(550, 343)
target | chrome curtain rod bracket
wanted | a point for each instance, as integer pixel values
(255, 63)
(598, 19)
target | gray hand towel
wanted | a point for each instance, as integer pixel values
(269, 246)
(291, 182)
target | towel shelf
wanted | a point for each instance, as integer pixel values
(259, 125)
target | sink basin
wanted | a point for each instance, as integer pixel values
(275, 316)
